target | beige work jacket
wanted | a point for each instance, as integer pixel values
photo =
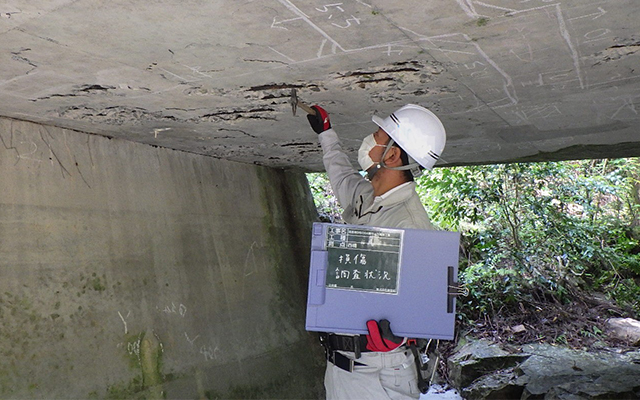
(400, 208)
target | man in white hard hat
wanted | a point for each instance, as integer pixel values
(378, 365)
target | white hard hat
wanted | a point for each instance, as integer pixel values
(417, 131)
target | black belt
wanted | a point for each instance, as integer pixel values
(342, 361)
(356, 344)
(333, 343)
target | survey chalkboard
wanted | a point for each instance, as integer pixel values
(358, 273)
(363, 259)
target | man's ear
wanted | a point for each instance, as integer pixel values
(394, 157)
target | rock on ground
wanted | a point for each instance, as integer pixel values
(483, 370)
(626, 329)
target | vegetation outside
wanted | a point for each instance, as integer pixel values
(549, 250)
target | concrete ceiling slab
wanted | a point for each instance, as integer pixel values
(510, 79)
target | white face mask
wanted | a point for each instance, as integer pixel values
(364, 159)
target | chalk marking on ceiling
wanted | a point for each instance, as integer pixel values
(533, 9)
(598, 14)
(467, 7)
(508, 86)
(276, 24)
(283, 55)
(158, 130)
(567, 37)
(363, 3)
(321, 48)
(494, 6)
(306, 19)
(178, 76)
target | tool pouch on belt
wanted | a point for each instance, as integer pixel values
(422, 366)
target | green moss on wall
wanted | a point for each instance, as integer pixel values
(144, 356)
(151, 365)
(288, 214)
(482, 21)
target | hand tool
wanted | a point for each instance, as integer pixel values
(295, 103)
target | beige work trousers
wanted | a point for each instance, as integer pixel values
(384, 376)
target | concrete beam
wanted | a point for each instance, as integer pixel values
(511, 80)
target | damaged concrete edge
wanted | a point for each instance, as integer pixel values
(50, 125)
(618, 51)
(103, 135)
(88, 90)
(222, 155)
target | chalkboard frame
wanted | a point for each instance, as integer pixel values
(364, 259)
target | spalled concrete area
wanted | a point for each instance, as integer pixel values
(511, 79)
(124, 265)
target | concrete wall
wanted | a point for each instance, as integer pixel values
(128, 271)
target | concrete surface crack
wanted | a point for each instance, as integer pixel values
(617, 52)
(52, 96)
(375, 80)
(84, 89)
(265, 61)
(385, 71)
(9, 14)
(298, 144)
(116, 115)
(402, 73)
(227, 115)
(286, 96)
(184, 109)
(274, 86)
(11, 146)
(80, 172)
(389, 71)
(63, 169)
(75, 160)
(94, 88)
(39, 37)
(17, 56)
(238, 130)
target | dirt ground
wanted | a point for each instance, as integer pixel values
(579, 324)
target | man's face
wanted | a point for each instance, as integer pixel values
(381, 139)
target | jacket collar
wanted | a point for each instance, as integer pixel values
(394, 196)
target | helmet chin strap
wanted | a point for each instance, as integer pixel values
(371, 172)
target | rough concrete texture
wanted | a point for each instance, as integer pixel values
(128, 271)
(511, 79)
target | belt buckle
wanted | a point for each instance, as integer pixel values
(341, 361)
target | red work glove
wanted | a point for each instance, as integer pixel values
(320, 121)
(380, 337)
